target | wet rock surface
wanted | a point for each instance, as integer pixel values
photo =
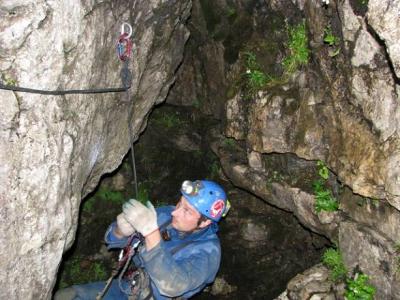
(54, 149)
(341, 107)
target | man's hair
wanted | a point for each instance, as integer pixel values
(201, 219)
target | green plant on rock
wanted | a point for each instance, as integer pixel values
(88, 205)
(255, 77)
(256, 80)
(397, 247)
(168, 120)
(8, 80)
(108, 195)
(359, 289)
(98, 271)
(324, 199)
(332, 258)
(332, 41)
(298, 48)
(143, 193)
(231, 13)
(229, 143)
(323, 170)
(78, 271)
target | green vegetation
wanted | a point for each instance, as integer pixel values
(332, 41)
(88, 205)
(298, 48)
(397, 247)
(256, 78)
(275, 176)
(8, 80)
(168, 120)
(229, 143)
(103, 194)
(323, 171)
(359, 289)
(231, 13)
(107, 195)
(324, 199)
(143, 193)
(78, 271)
(332, 258)
(375, 202)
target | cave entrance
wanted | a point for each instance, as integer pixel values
(262, 247)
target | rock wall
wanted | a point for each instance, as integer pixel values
(342, 108)
(54, 149)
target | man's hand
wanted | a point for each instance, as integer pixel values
(142, 218)
(124, 227)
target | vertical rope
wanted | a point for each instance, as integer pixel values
(127, 80)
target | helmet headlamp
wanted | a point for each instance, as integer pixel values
(191, 188)
(207, 197)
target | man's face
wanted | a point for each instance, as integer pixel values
(185, 217)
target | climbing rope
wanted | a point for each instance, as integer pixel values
(125, 257)
(62, 92)
(124, 49)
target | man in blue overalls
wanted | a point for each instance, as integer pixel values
(180, 254)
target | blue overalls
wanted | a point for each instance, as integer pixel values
(179, 267)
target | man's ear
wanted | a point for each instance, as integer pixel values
(205, 223)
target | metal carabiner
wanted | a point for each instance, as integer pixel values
(123, 29)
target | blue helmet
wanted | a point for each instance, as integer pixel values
(207, 197)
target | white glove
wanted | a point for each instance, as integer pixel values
(123, 225)
(142, 218)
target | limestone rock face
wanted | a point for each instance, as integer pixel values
(54, 149)
(383, 16)
(343, 109)
(313, 284)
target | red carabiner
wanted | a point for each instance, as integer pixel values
(124, 47)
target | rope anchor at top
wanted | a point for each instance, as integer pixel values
(124, 44)
(124, 48)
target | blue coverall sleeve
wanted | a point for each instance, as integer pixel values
(175, 277)
(111, 240)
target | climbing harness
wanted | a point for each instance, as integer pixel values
(125, 257)
(138, 279)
